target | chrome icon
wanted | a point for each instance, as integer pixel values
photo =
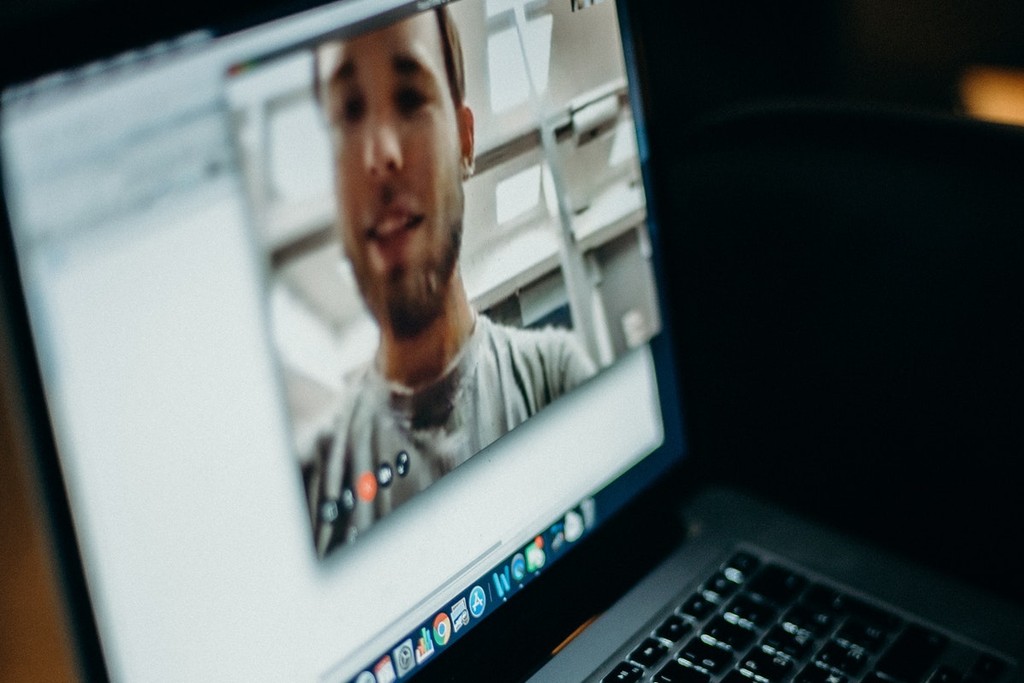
(442, 628)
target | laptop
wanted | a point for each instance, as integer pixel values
(346, 353)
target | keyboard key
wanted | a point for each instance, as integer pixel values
(824, 598)
(735, 637)
(674, 672)
(815, 673)
(649, 652)
(720, 587)
(698, 606)
(736, 676)
(709, 657)
(849, 660)
(674, 629)
(796, 643)
(741, 567)
(868, 636)
(912, 655)
(777, 585)
(873, 615)
(766, 666)
(811, 619)
(827, 600)
(747, 609)
(624, 673)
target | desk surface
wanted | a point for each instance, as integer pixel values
(33, 640)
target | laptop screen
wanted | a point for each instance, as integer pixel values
(348, 325)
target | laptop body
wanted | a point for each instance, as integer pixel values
(249, 152)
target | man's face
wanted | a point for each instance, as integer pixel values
(400, 145)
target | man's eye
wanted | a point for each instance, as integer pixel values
(353, 109)
(409, 100)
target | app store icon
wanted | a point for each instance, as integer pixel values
(477, 602)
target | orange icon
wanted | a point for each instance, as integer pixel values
(366, 487)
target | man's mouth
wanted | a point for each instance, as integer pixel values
(393, 225)
(390, 239)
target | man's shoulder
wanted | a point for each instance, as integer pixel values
(535, 340)
(553, 351)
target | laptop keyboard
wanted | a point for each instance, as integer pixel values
(757, 621)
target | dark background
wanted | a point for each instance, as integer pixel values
(847, 265)
(908, 54)
(810, 348)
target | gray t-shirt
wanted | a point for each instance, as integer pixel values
(390, 442)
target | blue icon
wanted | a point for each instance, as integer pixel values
(477, 602)
(557, 533)
(518, 567)
(502, 582)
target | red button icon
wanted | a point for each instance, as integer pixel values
(366, 487)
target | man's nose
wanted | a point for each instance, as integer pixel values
(383, 151)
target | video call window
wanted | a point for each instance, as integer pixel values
(452, 243)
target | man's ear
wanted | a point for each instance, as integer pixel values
(467, 139)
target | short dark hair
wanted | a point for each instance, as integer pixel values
(451, 48)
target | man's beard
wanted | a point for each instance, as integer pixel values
(415, 297)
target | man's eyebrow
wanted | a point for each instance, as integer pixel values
(345, 71)
(405, 64)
